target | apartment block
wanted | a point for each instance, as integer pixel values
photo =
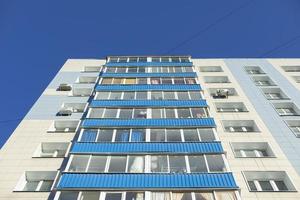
(160, 128)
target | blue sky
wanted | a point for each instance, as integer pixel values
(36, 37)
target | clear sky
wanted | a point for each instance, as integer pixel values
(36, 37)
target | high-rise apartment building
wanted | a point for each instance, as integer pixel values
(160, 128)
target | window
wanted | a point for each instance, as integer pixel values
(155, 81)
(165, 59)
(97, 164)
(263, 81)
(240, 126)
(291, 68)
(102, 95)
(156, 96)
(64, 87)
(118, 81)
(132, 69)
(197, 164)
(107, 81)
(216, 79)
(211, 69)
(195, 95)
(121, 70)
(286, 109)
(105, 135)
(157, 135)
(51, 149)
(122, 135)
(268, 181)
(169, 95)
(87, 79)
(206, 134)
(125, 113)
(274, 93)
(36, 181)
(294, 125)
(252, 149)
(166, 81)
(140, 114)
(157, 113)
(199, 112)
(115, 95)
(78, 163)
(190, 135)
(179, 81)
(63, 126)
(159, 163)
(142, 81)
(254, 70)
(222, 93)
(177, 164)
(173, 135)
(184, 113)
(190, 81)
(231, 107)
(129, 95)
(215, 163)
(110, 113)
(135, 164)
(117, 164)
(155, 59)
(141, 95)
(183, 95)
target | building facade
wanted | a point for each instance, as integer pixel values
(160, 128)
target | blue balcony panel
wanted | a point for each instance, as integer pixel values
(148, 147)
(145, 87)
(149, 64)
(186, 74)
(148, 103)
(166, 123)
(146, 181)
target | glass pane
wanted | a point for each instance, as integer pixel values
(195, 95)
(155, 59)
(130, 81)
(122, 135)
(102, 95)
(206, 134)
(118, 81)
(181, 196)
(106, 81)
(133, 59)
(110, 69)
(90, 196)
(159, 163)
(96, 112)
(115, 95)
(197, 163)
(65, 195)
(177, 164)
(266, 185)
(113, 196)
(46, 185)
(128, 95)
(170, 112)
(121, 69)
(117, 164)
(97, 164)
(136, 164)
(205, 196)
(166, 80)
(141, 95)
(226, 195)
(198, 113)
(215, 163)
(183, 96)
(250, 153)
(156, 95)
(183, 113)
(125, 113)
(160, 196)
(190, 135)
(252, 186)
(155, 81)
(134, 196)
(138, 135)
(110, 113)
(132, 69)
(281, 185)
(165, 69)
(157, 135)
(188, 69)
(105, 135)
(178, 69)
(173, 135)
(78, 163)
(142, 81)
(89, 135)
(157, 113)
(190, 81)
(31, 186)
(179, 81)
(169, 95)
(140, 114)
(142, 69)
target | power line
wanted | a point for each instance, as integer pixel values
(209, 26)
(279, 46)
